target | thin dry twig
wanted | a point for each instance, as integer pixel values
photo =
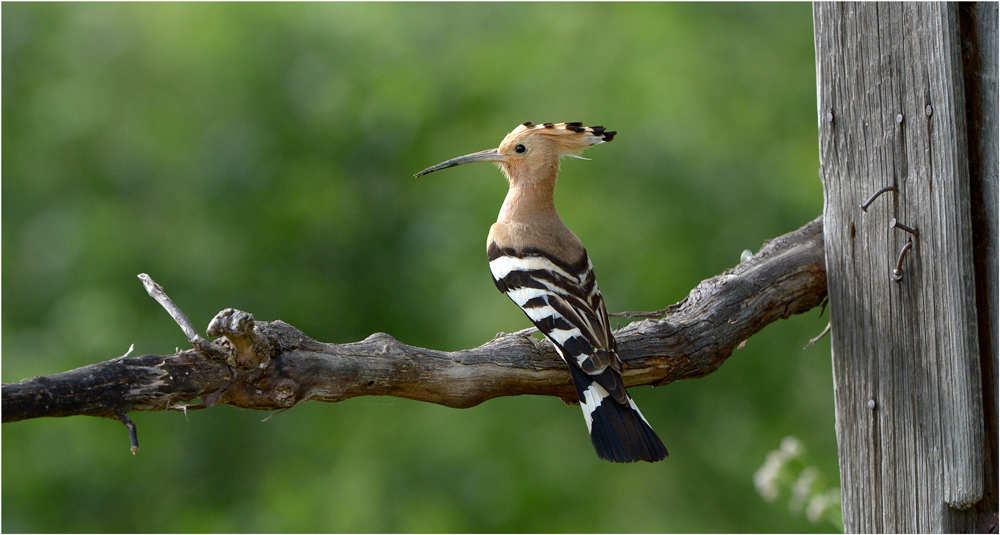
(818, 336)
(156, 292)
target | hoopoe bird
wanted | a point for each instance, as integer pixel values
(543, 267)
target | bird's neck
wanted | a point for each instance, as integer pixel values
(529, 203)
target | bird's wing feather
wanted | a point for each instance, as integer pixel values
(568, 309)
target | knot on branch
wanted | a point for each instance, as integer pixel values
(383, 344)
(254, 344)
(262, 355)
(250, 348)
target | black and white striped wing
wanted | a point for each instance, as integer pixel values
(564, 302)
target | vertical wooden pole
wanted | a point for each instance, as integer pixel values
(908, 390)
(979, 23)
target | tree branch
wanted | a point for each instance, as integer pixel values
(272, 365)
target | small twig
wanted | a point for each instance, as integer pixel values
(652, 315)
(523, 332)
(182, 408)
(133, 437)
(273, 414)
(526, 332)
(185, 407)
(156, 292)
(818, 336)
(127, 353)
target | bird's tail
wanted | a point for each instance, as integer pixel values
(618, 431)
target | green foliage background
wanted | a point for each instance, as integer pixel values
(259, 156)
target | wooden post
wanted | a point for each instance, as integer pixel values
(906, 357)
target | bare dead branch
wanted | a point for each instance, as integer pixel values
(156, 292)
(818, 337)
(272, 365)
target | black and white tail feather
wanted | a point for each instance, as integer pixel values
(564, 302)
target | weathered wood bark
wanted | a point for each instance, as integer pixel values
(906, 356)
(272, 365)
(978, 24)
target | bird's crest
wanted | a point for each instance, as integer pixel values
(534, 146)
(569, 138)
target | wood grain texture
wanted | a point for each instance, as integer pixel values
(892, 113)
(978, 24)
(272, 365)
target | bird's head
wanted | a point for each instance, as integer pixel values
(531, 152)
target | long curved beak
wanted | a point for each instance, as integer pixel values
(490, 155)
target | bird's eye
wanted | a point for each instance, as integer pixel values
(520, 149)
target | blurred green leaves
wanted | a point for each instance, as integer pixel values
(260, 156)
